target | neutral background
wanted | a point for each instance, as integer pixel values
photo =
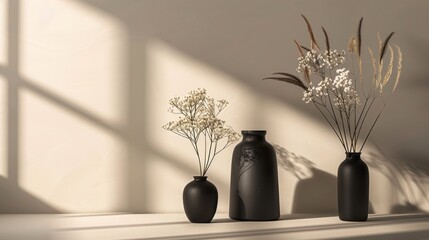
(85, 85)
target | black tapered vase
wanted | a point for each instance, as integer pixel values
(200, 200)
(353, 189)
(254, 190)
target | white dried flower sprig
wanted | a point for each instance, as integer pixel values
(199, 123)
(320, 62)
(333, 88)
(344, 96)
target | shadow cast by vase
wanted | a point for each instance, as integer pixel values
(316, 194)
(316, 191)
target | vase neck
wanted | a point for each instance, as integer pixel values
(200, 178)
(252, 135)
(353, 155)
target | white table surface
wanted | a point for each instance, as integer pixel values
(176, 226)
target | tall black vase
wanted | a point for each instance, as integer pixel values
(200, 200)
(353, 189)
(254, 190)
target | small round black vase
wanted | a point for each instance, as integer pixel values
(200, 200)
(254, 190)
(353, 189)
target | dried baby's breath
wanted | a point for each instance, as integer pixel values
(199, 121)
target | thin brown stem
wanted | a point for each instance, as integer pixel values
(211, 160)
(370, 130)
(205, 146)
(210, 152)
(330, 124)
(194, 145)
(355, 135)
(349, 128)
(364, 118)
(335, 117)
(342, 120)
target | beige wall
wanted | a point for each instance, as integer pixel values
(85, 85)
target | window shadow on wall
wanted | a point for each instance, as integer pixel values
(134, 133)
(410, 178)
(15, 200)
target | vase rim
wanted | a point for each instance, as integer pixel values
(200, 177)
(254, 132)
(353, 154)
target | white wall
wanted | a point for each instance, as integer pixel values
(85, 88)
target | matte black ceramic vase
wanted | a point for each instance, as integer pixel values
(254, 190)
(353, 189)
(200, 200)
